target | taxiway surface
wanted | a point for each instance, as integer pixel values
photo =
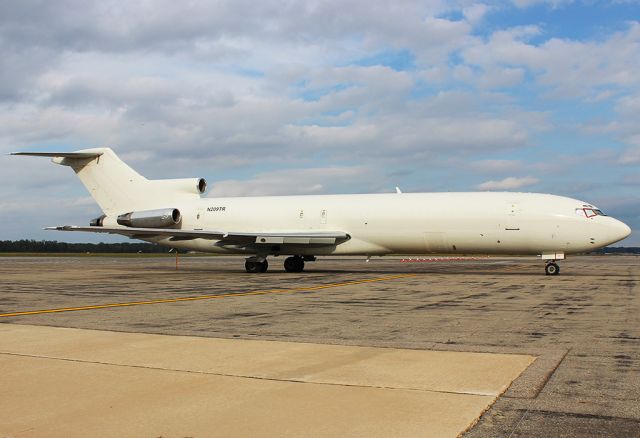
(583, 327)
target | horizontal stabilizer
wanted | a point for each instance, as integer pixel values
(72, 155)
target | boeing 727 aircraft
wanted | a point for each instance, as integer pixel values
(173, 213)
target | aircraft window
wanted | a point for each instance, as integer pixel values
(589, 212)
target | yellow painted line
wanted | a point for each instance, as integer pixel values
(205, 297)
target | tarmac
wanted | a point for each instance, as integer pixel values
(392, 347)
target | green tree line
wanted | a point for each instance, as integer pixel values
(53, 246)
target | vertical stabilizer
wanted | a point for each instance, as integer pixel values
(116, 187)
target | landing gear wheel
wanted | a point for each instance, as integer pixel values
(552, 269)
(254, 267)
(294, 264)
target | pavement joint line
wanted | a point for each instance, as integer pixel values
(550, 373)
(242, 376)
(205, 297)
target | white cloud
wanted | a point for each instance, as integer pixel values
(509, 183)
(568, 67)
(475, 12)
(552, 3)
(624, 128)
(631, 155)
(496, 166)
(629, 105)
(502, 77)
(294, 182)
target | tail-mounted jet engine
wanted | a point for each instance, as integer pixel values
(202, 185)
(196, 186)
(98, 222)
(163, 218)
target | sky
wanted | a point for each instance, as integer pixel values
(314, 97)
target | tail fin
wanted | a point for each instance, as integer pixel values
(116, 187)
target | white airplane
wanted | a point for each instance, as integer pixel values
(173, 213)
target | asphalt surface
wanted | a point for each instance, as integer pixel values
(583, 325)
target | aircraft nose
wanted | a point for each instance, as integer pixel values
(618, 230)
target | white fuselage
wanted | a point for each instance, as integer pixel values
(172, 212)
(408, 223)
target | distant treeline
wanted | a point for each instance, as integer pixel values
(52, 246)
(618, 250)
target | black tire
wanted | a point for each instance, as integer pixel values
(294, 264)
(552, 269)
(289, 264)
(254, 267)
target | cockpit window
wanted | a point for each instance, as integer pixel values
(589, 212)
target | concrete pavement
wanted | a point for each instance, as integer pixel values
(61, 382)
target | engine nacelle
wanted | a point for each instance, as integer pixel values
(98, 222)
(163, 218)
(197, 186)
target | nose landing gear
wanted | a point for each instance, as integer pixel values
(550, 258)
(552, 268)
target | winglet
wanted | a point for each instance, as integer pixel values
(398, 190)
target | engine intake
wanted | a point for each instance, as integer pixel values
(162, 218)
(202, 185)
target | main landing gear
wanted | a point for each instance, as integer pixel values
(552, 268)
(294, 264)
(257, 264)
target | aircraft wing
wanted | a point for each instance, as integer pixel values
(224, 238)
